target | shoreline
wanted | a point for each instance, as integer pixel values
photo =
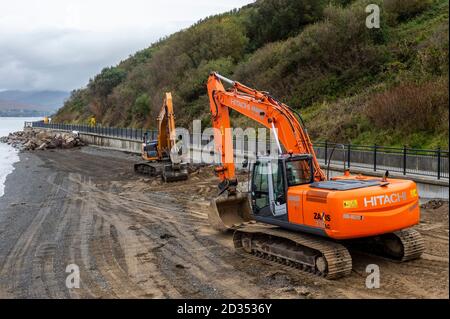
(10, 156)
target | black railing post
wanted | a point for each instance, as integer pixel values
(404, 159)
(326, 152)
(439, 163)
(348, 154)
(375, 157)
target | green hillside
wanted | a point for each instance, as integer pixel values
(352, 84)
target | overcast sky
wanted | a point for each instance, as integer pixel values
(60, 44)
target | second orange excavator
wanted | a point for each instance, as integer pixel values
(162, 157)
(292, 214)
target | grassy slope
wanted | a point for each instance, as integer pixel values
(337, 105)
(344, 119)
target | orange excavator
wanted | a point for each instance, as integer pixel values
(162, 157)
(293, 214)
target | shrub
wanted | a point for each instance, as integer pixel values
(194, 83)
(411, 107)
(141, 107)
(433, 53)
(106, 81)
(274, 20)
(406, 9)
(322, 61)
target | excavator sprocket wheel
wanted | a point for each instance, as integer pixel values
(412, 244)
(400, 246)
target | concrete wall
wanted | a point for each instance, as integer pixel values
(113, 143)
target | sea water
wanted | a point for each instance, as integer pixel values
(8, 155)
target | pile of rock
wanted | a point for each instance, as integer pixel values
(31, 139)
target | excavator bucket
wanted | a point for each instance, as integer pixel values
(227, 212)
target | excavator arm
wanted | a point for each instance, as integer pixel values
(262, 108)
(167, 143)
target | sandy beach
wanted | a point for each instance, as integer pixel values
(133, 237)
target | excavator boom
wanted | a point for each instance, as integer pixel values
(262, 108)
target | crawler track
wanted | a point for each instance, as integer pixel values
(147, 169)
(167, 174)
(307, 253)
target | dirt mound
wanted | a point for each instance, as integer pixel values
(434, 204)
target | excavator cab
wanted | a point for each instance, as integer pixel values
(271, 179)
(149, 149)
(269, 182)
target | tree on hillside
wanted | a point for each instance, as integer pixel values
(106, 81)
(273, 20)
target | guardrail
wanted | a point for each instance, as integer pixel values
(405, 160)
(119, 132)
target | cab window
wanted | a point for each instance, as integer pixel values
(260, 185)
(278, 182)
(298, 172)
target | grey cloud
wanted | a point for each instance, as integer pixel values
(42, 55)
(66, 59)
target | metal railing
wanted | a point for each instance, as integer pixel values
(119, 132)
(405, 160)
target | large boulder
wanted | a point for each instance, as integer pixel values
(42, 147)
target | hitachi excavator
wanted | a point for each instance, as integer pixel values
(162, 157)
(293, 214)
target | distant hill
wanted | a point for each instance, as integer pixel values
(32, 100)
